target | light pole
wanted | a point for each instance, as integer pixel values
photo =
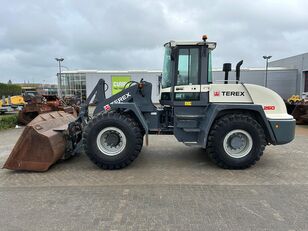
(266, 68)
(59, 60)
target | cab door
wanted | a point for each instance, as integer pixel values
(187, 76)
(189, 103)
(191, 76)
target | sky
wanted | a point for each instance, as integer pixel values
(129, 35)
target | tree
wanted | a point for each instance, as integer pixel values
(9, 89)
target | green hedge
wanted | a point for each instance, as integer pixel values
(8, 121)
(9, 89)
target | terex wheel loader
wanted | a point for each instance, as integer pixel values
(233, 121)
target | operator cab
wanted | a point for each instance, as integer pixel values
(187, 67)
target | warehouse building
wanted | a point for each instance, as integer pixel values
(300, 64)
(287, 77)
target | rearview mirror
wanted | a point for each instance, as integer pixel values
(159, 82)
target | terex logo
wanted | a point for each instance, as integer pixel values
(216, 93)
(233, 93)
(122, 98)
(107, 107)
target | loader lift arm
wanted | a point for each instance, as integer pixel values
(99, 93)
(75, 129)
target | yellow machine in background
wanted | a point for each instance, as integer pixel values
(16, 100)
(295, 99)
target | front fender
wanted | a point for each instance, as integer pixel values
(133, 108)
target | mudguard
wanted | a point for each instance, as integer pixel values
(215, 110)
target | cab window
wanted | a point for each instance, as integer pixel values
(166, 76)
(188, 66)
(209, 75)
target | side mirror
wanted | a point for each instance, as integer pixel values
(159, 82)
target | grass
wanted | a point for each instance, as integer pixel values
(8, 121)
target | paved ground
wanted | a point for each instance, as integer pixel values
(169, 187)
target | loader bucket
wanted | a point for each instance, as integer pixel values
(41, 144)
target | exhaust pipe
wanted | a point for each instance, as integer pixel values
(238, 70)
(226, 68)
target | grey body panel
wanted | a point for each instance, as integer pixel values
(141, 97)
(216, 110)
(201, 120)
(134, 99)
(284, 130)
(133, 108)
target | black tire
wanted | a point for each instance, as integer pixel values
(222, 127)
(131, 130)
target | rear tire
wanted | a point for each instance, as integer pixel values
(236, 141)
(112, 140)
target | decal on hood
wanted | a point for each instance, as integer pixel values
(229, 93)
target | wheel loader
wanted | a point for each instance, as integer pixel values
(231, 120)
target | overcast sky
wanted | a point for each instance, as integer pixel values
(121, 35)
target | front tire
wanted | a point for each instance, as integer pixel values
(112, 140)
(236, 141)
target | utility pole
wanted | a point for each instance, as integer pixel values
(266, 68)
(59, 60)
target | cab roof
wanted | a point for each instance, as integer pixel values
(211, 45)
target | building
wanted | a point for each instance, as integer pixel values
(73, 83)
(299, 63)
(287, 77)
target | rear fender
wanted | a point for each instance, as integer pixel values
(215, 111)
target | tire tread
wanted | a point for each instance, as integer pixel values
(219, 123)
(127, 119)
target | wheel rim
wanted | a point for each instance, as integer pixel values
(111, 141)
(237, 143)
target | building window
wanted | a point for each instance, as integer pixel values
(73, 84)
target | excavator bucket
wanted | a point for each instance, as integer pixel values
(41, 144)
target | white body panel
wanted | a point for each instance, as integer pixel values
(272, 104)
(229, 93)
